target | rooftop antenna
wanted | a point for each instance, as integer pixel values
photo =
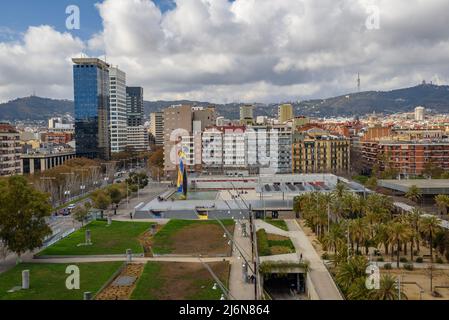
(358, 82)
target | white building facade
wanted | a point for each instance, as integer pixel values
(118, 115)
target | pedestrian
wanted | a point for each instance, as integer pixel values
(300, 257)
(131, 215)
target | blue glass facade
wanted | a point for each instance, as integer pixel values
(91, 90)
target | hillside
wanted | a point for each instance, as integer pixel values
(432, 97)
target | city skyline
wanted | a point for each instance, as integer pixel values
(189, 49)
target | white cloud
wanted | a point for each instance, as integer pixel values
(247, 50)
(39, 63)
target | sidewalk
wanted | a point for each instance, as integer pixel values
(147, 194)
(322, 281)
(238, 289)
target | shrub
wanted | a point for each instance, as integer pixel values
(388, 266)
(403, 260)
(380, 259)
(415, 252)
(419, 259)
(408, 266)
(325, 256)
(439, 260)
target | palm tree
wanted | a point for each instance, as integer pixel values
(414, 220)
(442, 202)
(382, 236)
(430, 225)
(413, 194)
(399, 233)
(349, 271)
(334, 238)
(388, 290)
(340, 190)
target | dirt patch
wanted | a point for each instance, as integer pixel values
(418, 279)
(206, 239)
(275, 237)
(114, 292)
(185, 281)
(146, 241)
(275, 250)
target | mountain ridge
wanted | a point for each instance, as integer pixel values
(433, 97)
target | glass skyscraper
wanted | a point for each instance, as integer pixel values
(92, 107)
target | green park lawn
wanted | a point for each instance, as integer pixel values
(192, 237)
(180, 281)
(277, 223)
(47, 281)
(113, 239)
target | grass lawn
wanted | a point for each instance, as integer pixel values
(179, 281)
(192, 236)
(47, 281)
(277, 223)
(114, 239)
(271, 244)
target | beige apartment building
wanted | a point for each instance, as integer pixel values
(318, 151)
(285, 113)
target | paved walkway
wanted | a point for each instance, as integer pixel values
(237, 287)
(324, 284)
(146, 195)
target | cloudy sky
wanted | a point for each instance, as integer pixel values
(226, 51)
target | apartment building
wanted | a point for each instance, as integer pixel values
(285, 113)
(183, 125)
(255, 148)
(157, 127)
(234, 147)
(10, 150)
(316, 150)
(408, 158)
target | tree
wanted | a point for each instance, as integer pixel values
(413, 194)
(371, 183)
(430, 225)
(348, 272)
(399, 233)
(80, 213)
(116, 194)
(388, 290)
(334, 238)
(432, 170)
(101, 199)
(138, 179)
(23, 210)
(442, 202)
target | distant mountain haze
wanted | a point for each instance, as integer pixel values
(430, 96)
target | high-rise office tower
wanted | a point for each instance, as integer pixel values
(118, 115)
(92, 107)
(285, 112)
(137, 134)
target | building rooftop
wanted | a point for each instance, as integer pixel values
(95, 61)
(426, 186)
